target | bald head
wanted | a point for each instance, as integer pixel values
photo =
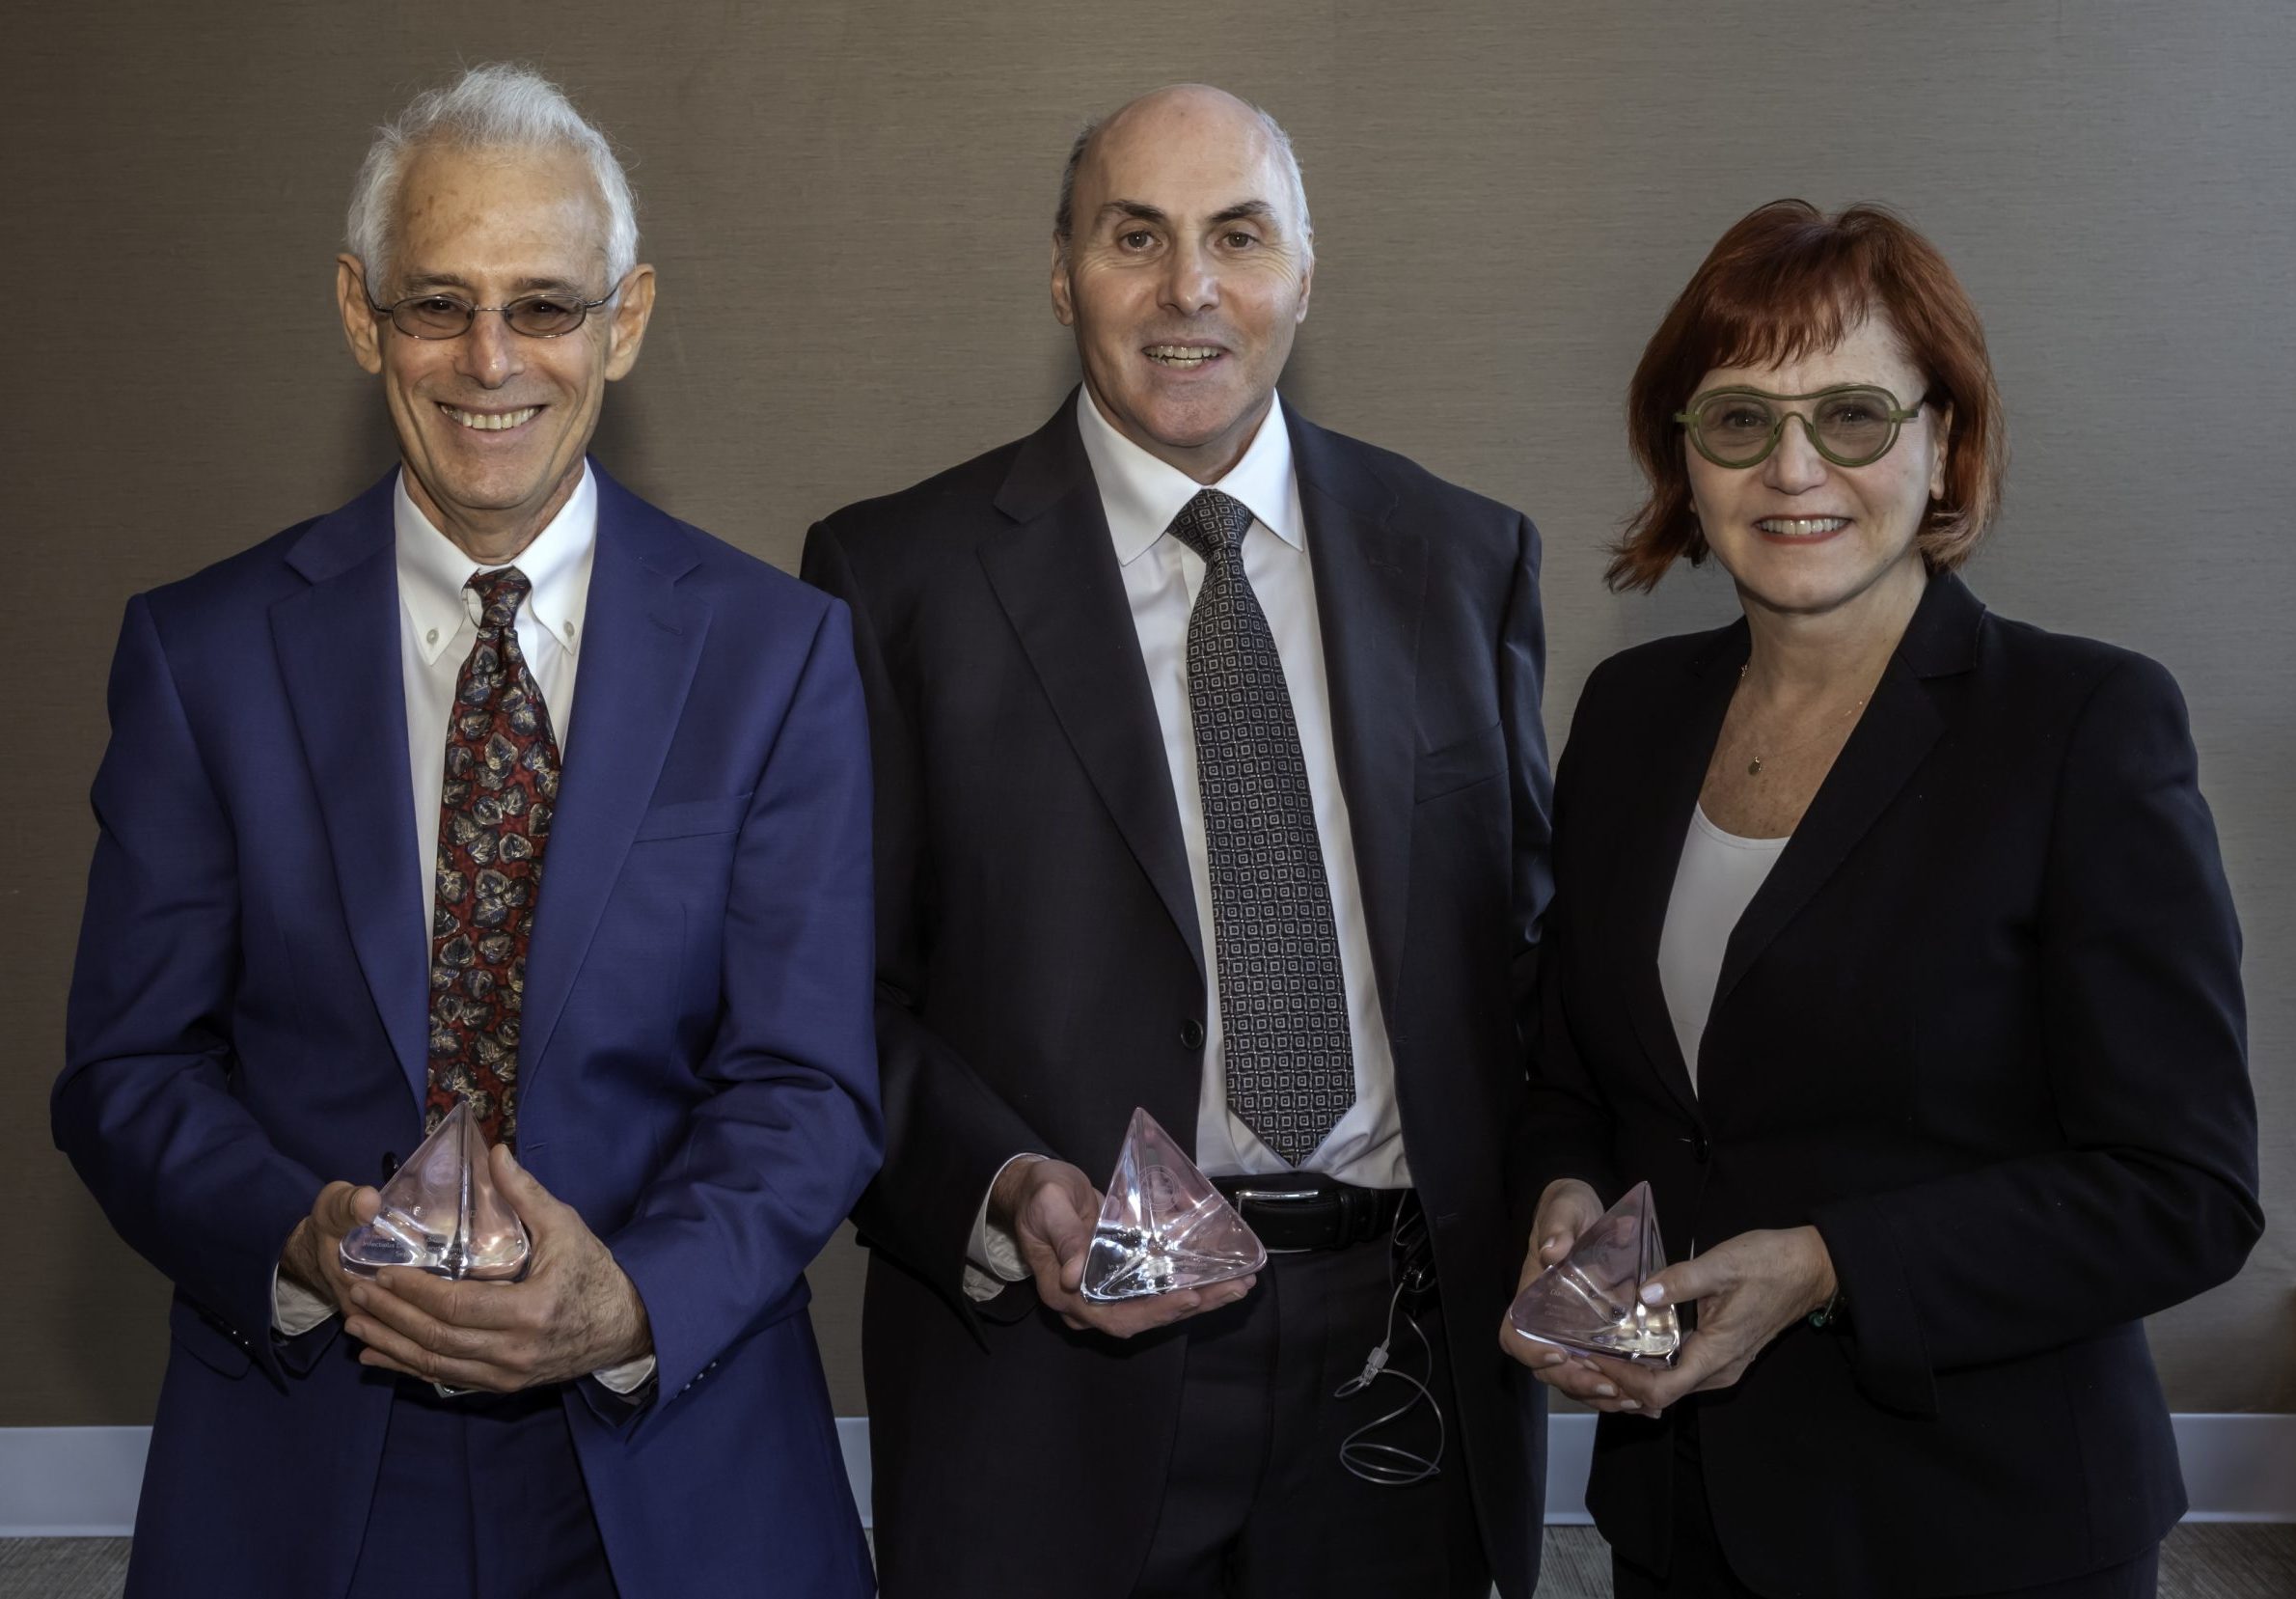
(1194, 111)
(1181, 260)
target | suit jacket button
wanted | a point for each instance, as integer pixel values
(1192, 1033)
(1700, 1150)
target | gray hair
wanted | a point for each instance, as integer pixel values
(1064, 216)
(494, 107)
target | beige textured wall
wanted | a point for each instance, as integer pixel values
(848, 205)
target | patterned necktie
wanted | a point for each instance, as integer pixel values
(494, 819)
(1283, 1003)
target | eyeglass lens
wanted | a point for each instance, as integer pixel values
(443, 316)
(1850, 427)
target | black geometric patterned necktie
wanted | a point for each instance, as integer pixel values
(495, 806)
(1283, 1001)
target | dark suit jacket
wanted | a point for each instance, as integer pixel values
(248, 1021)
(1982, 1027)
(1039, 974)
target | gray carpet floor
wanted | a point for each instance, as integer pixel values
(2209, 1560)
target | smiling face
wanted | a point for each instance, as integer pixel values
(1799, 535)
(1186, 276)
(492, 424)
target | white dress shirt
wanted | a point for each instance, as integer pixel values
(1141, 496)
(438, 623)
(1717, 880)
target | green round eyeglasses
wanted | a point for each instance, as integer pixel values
(1849, 424)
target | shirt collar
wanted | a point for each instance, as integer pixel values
(433, 570)
(1141, 494)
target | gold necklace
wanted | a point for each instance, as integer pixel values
(1754, 766)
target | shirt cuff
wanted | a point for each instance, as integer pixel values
(993, 1255)
(629, 1378)
(294, 1309)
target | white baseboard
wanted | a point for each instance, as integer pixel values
(71, 1483)
(81, 1482)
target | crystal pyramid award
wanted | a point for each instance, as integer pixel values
(441, 1213)
(1591, 1301)
(1164, 1226)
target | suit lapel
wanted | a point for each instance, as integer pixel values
(1888, 742)
(1055, 575)
(1651, 849)
(641, 641)
(1891, 737)
(1370, 571)
(339, 651)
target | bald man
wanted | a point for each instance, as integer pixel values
(1210, 781)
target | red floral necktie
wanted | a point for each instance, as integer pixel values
(494, 819)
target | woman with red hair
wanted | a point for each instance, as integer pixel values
(1891, 947)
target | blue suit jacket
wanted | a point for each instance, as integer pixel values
(699, 1076)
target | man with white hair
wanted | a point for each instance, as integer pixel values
(1210, 781)
(343, 765)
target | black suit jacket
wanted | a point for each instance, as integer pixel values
(1040, 975)
(1982, 1027)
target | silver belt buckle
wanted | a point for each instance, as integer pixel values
(1280, 1197)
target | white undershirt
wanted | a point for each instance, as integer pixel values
(1717, 878)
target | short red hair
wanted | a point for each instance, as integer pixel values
(1784, 282)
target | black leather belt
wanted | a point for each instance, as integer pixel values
(1306, 1210)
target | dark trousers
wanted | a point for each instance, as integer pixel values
(1256, 1504)
(1699, 1572)
(481, 1498)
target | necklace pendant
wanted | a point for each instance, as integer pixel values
(1754, 767)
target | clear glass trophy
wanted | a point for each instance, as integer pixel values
(1164, 1227)
(441, 1213)
(1591, 1303)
